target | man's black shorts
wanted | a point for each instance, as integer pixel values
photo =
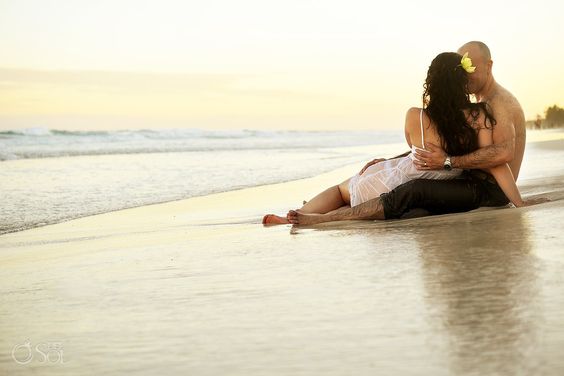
(473, 189)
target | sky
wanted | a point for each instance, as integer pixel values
(258, 64)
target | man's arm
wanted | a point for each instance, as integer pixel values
(501, 151)
(486, 157)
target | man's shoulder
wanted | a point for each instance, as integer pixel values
(504, 104)
(503, 97)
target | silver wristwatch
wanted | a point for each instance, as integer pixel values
(447, 165)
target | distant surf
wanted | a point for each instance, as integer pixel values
(50, 175)
(44, 143)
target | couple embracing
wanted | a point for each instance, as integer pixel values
(463, 154)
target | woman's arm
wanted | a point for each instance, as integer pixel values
(408, 120)
(410, 117)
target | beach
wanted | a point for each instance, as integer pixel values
(200, 287)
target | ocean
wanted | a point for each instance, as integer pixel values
(49, 176)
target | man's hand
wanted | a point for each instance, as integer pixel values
(535, 201)
(372, 162)
(433, 158)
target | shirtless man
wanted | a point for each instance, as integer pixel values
(477, 188)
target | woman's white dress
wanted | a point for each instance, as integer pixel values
(384, 176)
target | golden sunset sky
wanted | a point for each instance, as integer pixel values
(292, 64)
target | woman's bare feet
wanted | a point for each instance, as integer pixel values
(296, 217)
(271, 219)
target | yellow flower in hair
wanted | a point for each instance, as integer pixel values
(466, 64)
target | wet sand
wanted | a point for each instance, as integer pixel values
(199, 287)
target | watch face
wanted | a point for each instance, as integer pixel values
(447, 165)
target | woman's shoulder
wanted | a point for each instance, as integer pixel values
(412, 114)
(413, 111)
(412, 117)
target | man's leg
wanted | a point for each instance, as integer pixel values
(416, 213)
(368, 210)
(494, 195)
(434, 196)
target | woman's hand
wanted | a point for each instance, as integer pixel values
(372, 162)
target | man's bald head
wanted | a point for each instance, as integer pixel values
(475, 49)
(482, 60)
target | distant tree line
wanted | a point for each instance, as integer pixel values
(553, 118)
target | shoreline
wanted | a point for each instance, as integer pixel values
(540, 139)
(165, 186)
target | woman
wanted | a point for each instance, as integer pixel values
(448, 119)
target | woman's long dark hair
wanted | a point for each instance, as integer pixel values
(444, 99)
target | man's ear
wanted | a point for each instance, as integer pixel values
(490, 65)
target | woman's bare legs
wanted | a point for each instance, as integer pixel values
(328, 200)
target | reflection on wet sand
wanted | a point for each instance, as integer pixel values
(480, 287)
(480, 279)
